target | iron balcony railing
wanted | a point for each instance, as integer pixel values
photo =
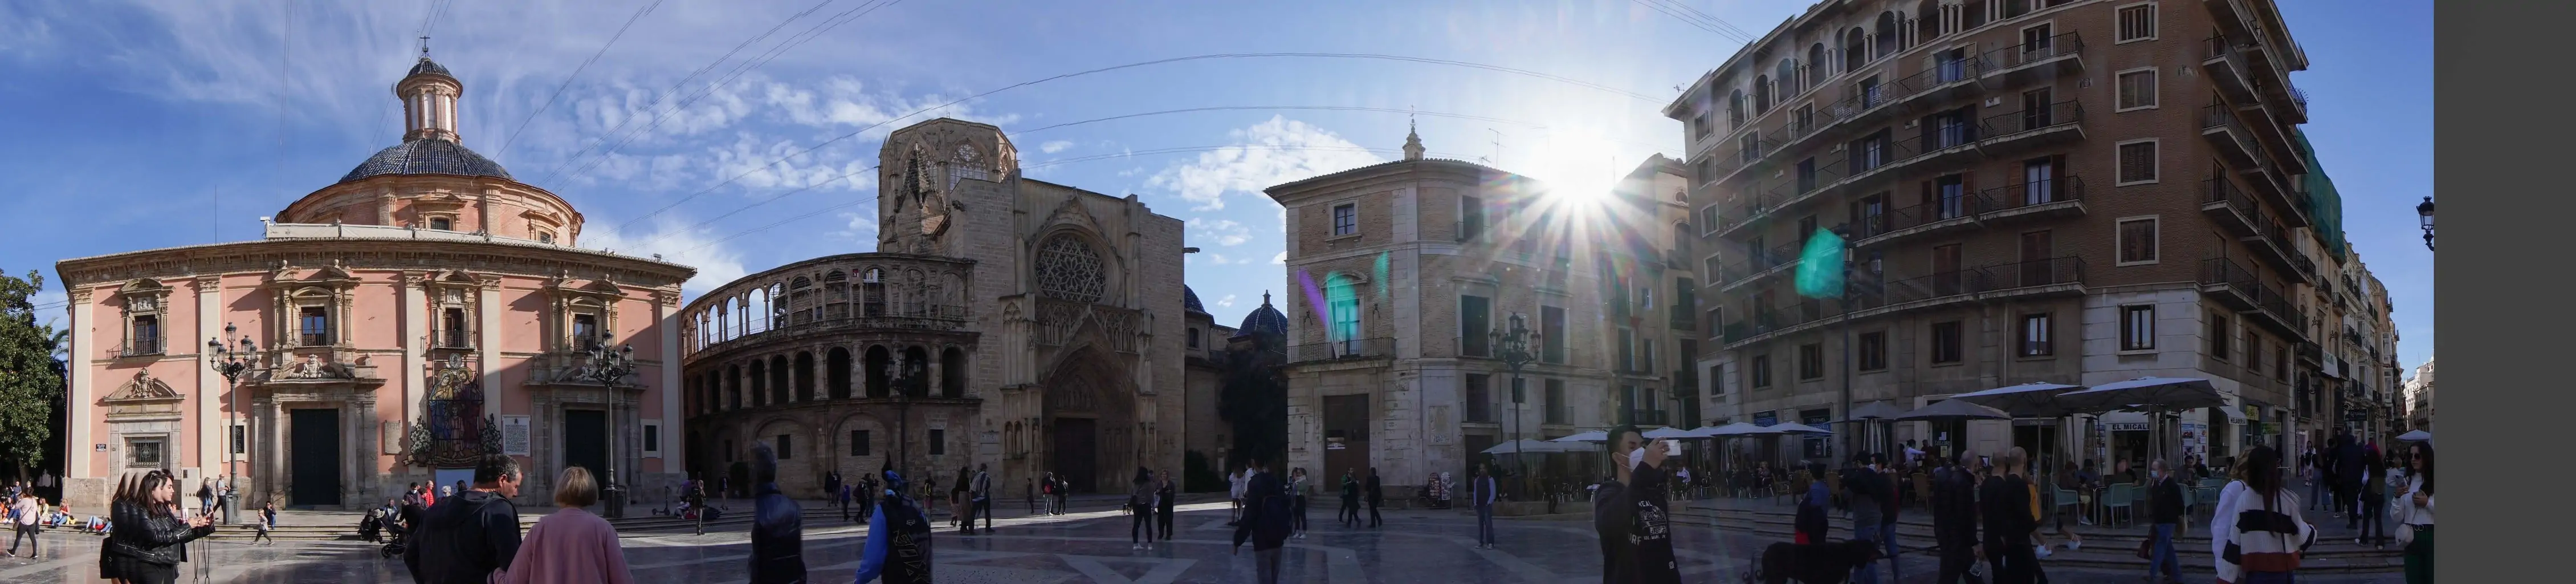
(1941, 208)
(139, 348)
(1756, 263)
(2311, 352)
(2240, 282)
(2216, 115)
(1350, 349)
(2033, 273)
(2220, 190)
(2032, 119)
(2032, 193)
(2029, 52)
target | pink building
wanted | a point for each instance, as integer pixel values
(423, 310)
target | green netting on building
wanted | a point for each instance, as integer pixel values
(2324, 205)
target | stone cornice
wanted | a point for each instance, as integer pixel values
(79, 274)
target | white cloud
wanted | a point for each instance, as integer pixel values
(1223, 232)
(1296, 151)
(1281, 259)
(861, 228)
(1217, 258)
(1054, 146)
(1226, 302)
(672, 237)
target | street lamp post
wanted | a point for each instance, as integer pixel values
(232, 360)
(2425, 212)
(609, 368)
(1511, 346)
(904, 378)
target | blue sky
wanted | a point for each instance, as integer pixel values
(133, 116)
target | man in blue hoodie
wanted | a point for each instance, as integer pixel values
(777, 524)
(898, 547)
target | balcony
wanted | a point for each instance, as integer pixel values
(2272, 80)
(2311, 353)
(2048, 197)
(2273, 311)
(2219, 126)
(2272, 244)
(2274, 186)
(2275, 137)
(2032, 62)
(2231, 15)
(1378, 348)
(1861, 108)
(140, 348)
(2226, 69)
(1871, 298)
(2033, 277)
(1760, 265)
(2231, 208)
(2229, 283)
(1778, 320)
(2041, 127)
(2053, 197)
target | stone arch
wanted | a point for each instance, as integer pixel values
(880, 368)
(952, 372)
(804, 376)
(797, 457)
(915, 357)
(1088, 414)
(836, 373)
(849, 455)
(759, 382)
(778, 379)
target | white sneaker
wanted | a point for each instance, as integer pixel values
(2043, 551)
(2073, 545)
(1135, 547)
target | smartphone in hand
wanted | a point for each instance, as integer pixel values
(1672, 447)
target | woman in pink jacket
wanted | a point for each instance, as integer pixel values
(571, 545)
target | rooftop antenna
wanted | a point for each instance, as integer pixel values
(1498, 147)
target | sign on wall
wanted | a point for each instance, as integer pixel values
(514, 435)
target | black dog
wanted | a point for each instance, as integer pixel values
(1827, 563)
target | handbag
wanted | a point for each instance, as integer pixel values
(2146, 549)
(2401, 512)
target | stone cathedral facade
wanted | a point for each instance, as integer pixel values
(1002, 321)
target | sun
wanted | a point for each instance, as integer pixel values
(1577, 166)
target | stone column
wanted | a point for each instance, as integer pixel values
(209, 428)
(487, 354)
(81, 396)
(666, 310)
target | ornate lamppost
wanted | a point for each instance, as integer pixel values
(1511, 346)
(609, 368)
(2425, 211)
(906, 374)
(232, 359)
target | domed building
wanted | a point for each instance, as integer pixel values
(422, 311)
(1002, 321)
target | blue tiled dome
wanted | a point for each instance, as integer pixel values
(427, 156)
(1190, 301)
(429, 67)
(1265, 320)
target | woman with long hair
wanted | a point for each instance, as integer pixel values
(571, 544)
(1140, 498)
(145, 544)
(2258, 534)
(2416, 506)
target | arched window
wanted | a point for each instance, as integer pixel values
(1735, 110)
(804, 376)
(916, 364)
(952, 373)
(733, 387)
(1761, 94)
(1817, 67)
(1887, 39)
(1855, 49)
(778, 379)
(836, 294)
(880, 372)
(759, 382)
(836, 372)
(801, 300)
(872, 293)
(1928, 20)
(1790, 82)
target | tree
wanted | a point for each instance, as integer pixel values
(30, 382)
(1254, 404)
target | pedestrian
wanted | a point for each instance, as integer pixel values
(1629, 513)
(1046, 488)
(1868, 489)
(1266, 522)
(1481, 494)
(842, 498)
(1815, 508)
(2415, 514)
(831, 485)
(149, 537)
(2259, 534)
(206, 497)
(1063, 491)
(1140, 499)
(24, 519)
(979, 500)
(2164, 504)
(2319, 476)
(2373, 492)
(1234, 495)
(1167, 495)
(698, 506)
(1350, 514)
(1033, 495)
(1954, 522)
(1376, 491)
(267, 521)
(2069, 480)
(2348, 476)
(570, 545)
(1297, 490)
(474, 533)
(777, 524)
(2010, 519)
(898, 546)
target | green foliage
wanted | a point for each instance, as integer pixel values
(1254, 404)
(1198, 475)
(31, 381)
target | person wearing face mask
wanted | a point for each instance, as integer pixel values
(2164, 494)
(1629, 513)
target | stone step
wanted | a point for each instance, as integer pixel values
(2098, 552)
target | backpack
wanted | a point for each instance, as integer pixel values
(908, 554)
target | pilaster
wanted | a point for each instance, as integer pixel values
(209, 429)
(487, 354)
(84, 348)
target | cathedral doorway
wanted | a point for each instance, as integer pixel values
(315, 452)
(1088, 412)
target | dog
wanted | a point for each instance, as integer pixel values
(1825, 563)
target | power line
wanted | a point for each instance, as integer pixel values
(576, 73)
(819, 145)
(1283, 107)
(1696, 19)
(684, 80)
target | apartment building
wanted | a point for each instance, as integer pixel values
(2061, 191)
(1409, 276)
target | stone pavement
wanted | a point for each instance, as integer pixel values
(1092, 546)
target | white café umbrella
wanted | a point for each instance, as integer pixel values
(1670, 433)
(1953, 409)
(1878, 411)
(1796, 428)
(2034, 399)
(1524, 446)
(2415, 436)
(1595, 436)
(2155, 395)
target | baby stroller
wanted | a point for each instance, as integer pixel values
(394, 541)
(369, 527)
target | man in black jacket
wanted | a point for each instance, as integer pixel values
(2008, 522)
(2164, 504)
(1376, 496)
(777, 524)
(1954, 522)
(466, 537)
(1630, 516)
(1266, 519)
(2348, 472)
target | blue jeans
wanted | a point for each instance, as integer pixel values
(1887, 537)
(1866, 573)
(2163, 554)
(1485, 524)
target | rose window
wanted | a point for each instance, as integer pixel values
(1068, 269)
